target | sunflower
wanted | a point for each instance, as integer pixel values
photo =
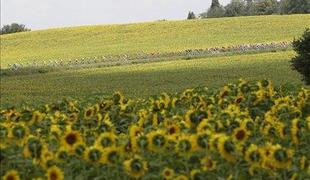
(240, 135)
(4, 131)
(141, 142)
(93, 154)
(11, 175)
(19, 133)
(253, 154)
(194, 117)
(73, 116)
(196, 174)
(70, 138)
(33, 148)
(281, 157)
(303, 162)
(106, 139)
(61, 154)
(296, 130)
(88, 113)
(282, 129)
(111, 155)
(157, 140)
(226, 148)
(203, 140)
(135, 131)
(54, 129)
(203, 126)
(308, 122)
(224, 92)
(181, 177)
(173, 129)
(135, 167)
(214, 140)
(54, 173)
(37, 116)
(187, 143)
(167, 173)
(208, 164)
(118, 98)
(79, 149)
(46, 157)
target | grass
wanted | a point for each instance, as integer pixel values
(169, 36)
(143, 80)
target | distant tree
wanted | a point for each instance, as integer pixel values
(295, 6)
(215, 10)
(13, 28)
(265, 7)
(215, 3)
(301, 62)
(235, 8)
(191, 15)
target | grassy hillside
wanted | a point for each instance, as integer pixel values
(90, 41)
(148, 79)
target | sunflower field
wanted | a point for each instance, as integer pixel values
(246, 130)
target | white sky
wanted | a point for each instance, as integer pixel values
(42, 14)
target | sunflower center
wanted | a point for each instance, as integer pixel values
(159, 140)
(172, 130)
(88, 113)
(281, 155)
(71, 139)
(53, 176)
(136, 165)
(240, 135)
(255, 156)
(209, 164)
(167, 173)
(229, 147)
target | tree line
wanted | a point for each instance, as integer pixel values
(253, 8)
(13, 28)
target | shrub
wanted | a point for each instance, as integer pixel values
(301, 62)
(13, 28)
(191, 15)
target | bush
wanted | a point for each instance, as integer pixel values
(235, 8)
(13, 28)
(301, 62)
(191, 15)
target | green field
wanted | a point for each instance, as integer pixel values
(142, 80)
(159, 37)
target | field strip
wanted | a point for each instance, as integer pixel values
(16, 69)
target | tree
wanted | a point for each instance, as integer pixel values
(215, 3)
(235, 8)
(13, 28)
(266, 7)
(215, 10)
(191, 15)
(301, 62)
(295, 6)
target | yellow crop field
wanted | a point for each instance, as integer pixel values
(156, 37)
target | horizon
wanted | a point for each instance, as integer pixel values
(38, 15)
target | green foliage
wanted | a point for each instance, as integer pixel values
(191, 15)
(266, 7)
(216, 12)
(13, 28)
(257, 7)
(235, 8)
(301, 62)
(215, 4)
(295, 6)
